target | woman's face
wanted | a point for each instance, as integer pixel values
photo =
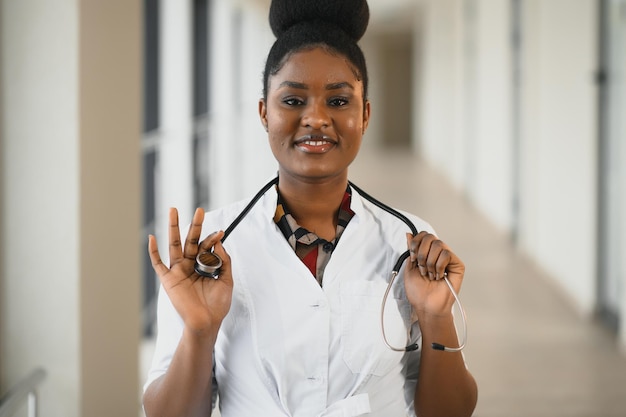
(315, 115)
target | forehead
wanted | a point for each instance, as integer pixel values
(316, 66)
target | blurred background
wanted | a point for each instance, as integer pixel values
(502, 122)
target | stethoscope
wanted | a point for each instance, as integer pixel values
(208, 265)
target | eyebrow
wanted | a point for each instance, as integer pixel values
(339, 86)
(329, 87)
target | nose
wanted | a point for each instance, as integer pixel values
(316, 115)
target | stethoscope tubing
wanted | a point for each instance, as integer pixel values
(206, 271)
(396, 271)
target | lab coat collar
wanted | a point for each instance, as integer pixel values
(271, 197)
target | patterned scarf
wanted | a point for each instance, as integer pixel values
(311, 249)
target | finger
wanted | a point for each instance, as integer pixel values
(157, 264)
(193, 235)
(455, 266)
(445, 256)
(413, 243)
(456, 271)
(209, 242)
(436, 249)
(176, 250)
(423, 251)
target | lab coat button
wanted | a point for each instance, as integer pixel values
(315, 380)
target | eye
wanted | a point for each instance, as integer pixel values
(293, 101)
(338, 101)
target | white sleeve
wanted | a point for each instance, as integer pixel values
(169, 331)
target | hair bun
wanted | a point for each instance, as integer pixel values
(350, 15)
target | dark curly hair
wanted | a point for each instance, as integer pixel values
(336, 25)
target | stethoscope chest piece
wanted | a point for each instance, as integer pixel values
(208, 265)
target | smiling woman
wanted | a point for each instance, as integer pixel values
(291, 324)
(315, 119)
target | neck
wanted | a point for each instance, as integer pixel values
(314, 205)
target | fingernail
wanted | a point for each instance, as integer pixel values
(430, 274)
(423, 271)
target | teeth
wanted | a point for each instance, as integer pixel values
(315, 142)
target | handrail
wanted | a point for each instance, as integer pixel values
(11, 402)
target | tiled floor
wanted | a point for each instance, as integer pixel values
(531, 354)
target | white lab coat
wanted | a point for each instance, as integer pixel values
(289, 347)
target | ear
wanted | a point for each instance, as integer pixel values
(263, 113)
(366, 115)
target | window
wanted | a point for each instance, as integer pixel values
(150, 154)
(200, 102)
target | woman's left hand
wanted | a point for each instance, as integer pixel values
(425, 287)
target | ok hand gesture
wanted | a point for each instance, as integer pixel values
(201, 302)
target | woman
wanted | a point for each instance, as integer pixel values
(292, 325)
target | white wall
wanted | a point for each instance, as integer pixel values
(559, 193)
(70, 121)
(40, 175)
(464, 95)
(467, 83)
(439, 88)
(492, 148)
(465, 99)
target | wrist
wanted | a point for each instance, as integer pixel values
(429, 320)
(427, 315)
(201, 336)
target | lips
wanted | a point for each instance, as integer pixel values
(315, 143)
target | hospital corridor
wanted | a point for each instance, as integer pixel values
(499, 122)
(529, 350)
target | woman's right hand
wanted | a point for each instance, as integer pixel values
(201, 302)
